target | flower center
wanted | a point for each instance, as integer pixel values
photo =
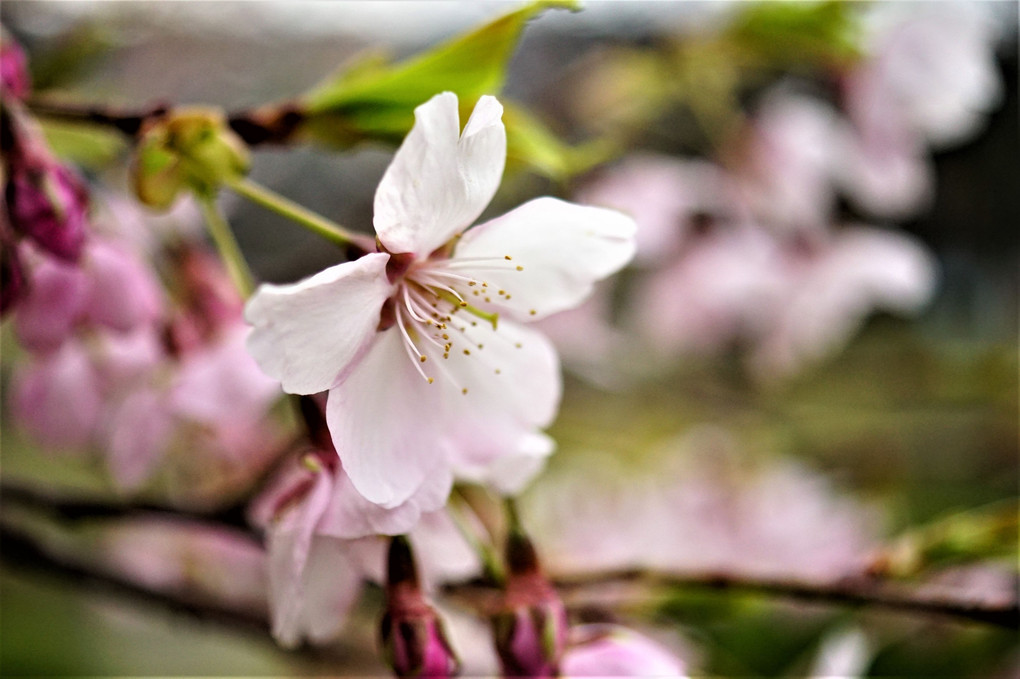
(439, 301)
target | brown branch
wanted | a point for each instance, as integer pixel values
(271, 124)
(917, 598)
(625, 586)
(631, 586)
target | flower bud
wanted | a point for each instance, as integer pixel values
(48, 202)
(12, 276)
(531, 630)
(412, 636)
(14, 79)
(189, 148)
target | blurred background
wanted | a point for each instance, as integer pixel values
(810, 368)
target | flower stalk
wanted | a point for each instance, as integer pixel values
(285, 207)
(227, 246)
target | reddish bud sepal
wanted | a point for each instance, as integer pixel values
(412, 637)
(531, 629)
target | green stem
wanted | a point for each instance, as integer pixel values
(491, 564)
(291, 210)
(226, 244)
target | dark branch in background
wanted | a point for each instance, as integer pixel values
(608, 588)
(128, 121)
(909, 597)
(266, 125)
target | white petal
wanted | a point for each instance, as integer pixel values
(561, 249)
(439, 180)
(289, 543)
(332, 584)
(385, 420)
(497, 395)
(308, 333)
(350, 515)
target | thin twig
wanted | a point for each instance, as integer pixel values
(630, 586)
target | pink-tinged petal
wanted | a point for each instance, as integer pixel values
(511, 474)
(613, 651)
(497, 394)
(289, 543)
(124, 360)
(556, 250)
(173, 555)
(440, 180)
(57, 399)
(443, 554)
(332, 583)
(306, 334)
(385, 422)
(222, 382)
(57, 294)
(859, 271)
(350, 515)
(139, 436)
(123, 293)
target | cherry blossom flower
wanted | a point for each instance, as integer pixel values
(421, 345)
(322, 544)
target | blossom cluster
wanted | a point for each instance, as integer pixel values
(754, 249)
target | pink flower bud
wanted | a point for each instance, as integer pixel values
(531, 631)
(56, 295)
(48, 202)
(413, 641)
(12, 276)
(14, 79)
(123, 292)
(57, 399)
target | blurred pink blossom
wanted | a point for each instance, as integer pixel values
(600, 650)
(109, 287)
(928, 80)
(704, 506)
(189, 559)
(57, 399)
(784, 172)
(664, 195)
(832, 286)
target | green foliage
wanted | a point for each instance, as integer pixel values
(530, 143)
(988, 532)
(375, 99)
(89, 146)
(379, 98)
(798, 34)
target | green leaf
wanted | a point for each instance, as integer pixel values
(86, 145)
(374, 99)
(531, 145)
(798, 33)
(978, 534)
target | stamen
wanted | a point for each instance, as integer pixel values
(412, 351)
